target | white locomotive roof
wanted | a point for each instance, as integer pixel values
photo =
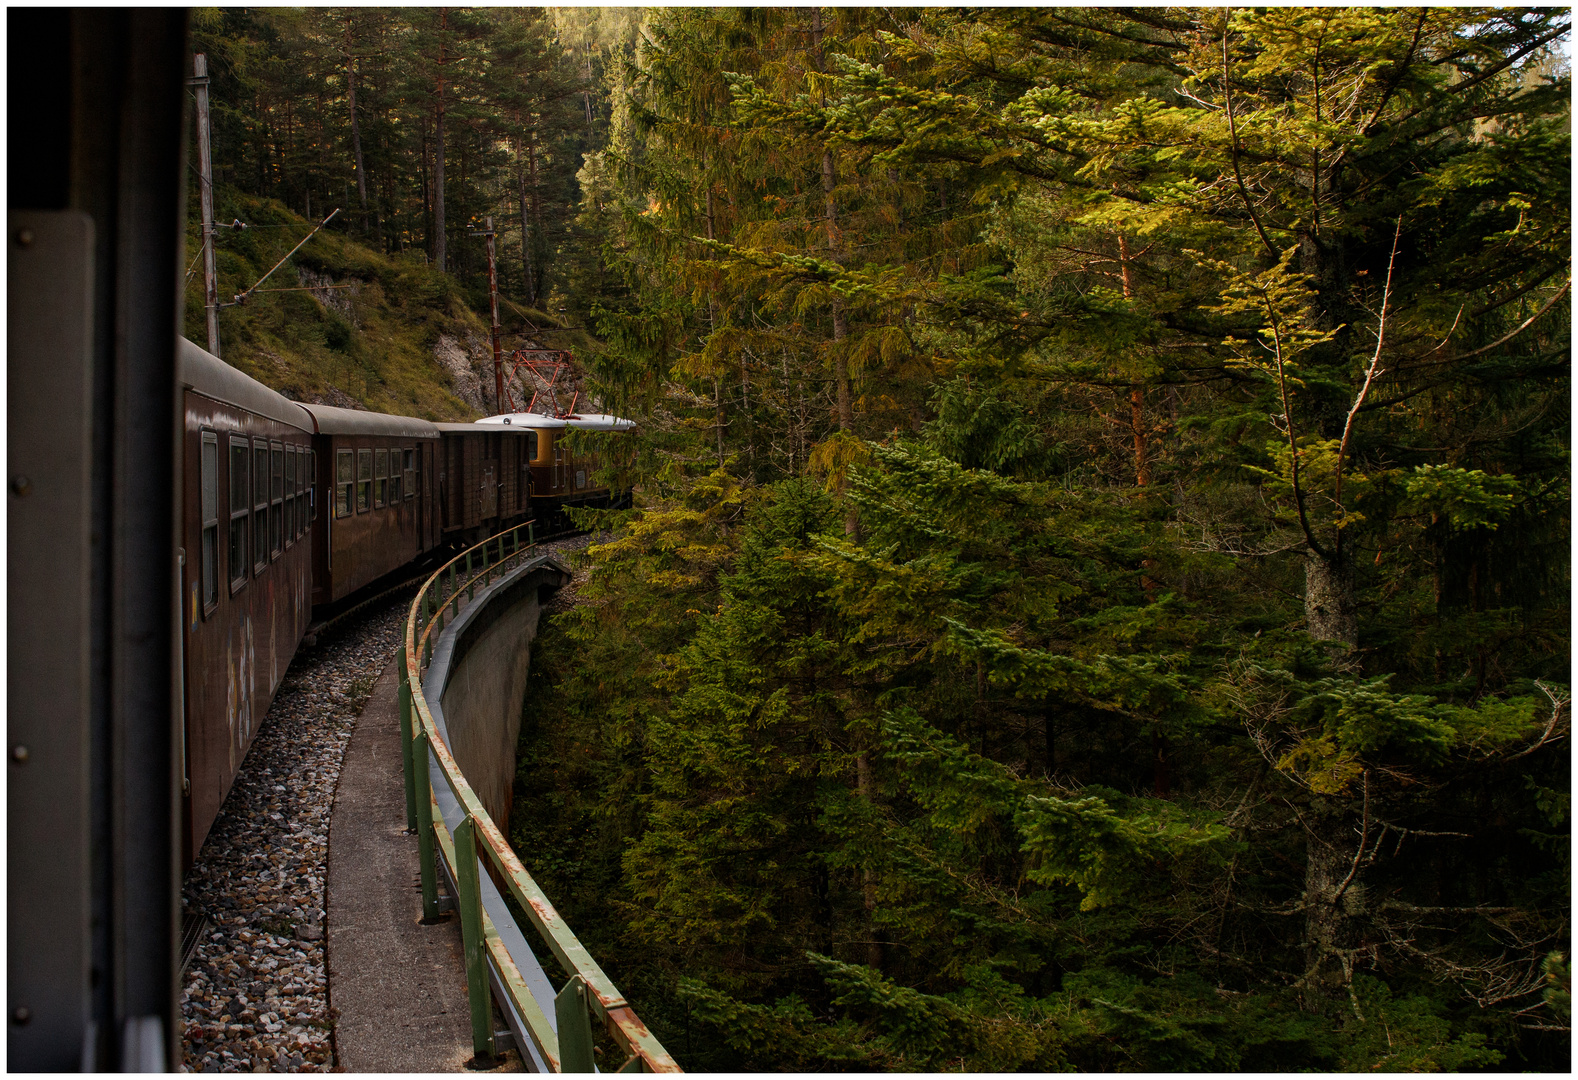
(333, 420)
(599, 422)
(524, 420)
(206, 374)
(585, 421)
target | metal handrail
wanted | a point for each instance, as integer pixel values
(567, 1049)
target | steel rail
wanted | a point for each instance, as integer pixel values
(477, 836)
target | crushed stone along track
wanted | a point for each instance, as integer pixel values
(255, 997)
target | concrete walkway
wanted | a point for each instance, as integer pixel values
(398, 988)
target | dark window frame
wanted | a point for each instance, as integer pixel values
(260, 532)
(276, 514)
(380, 477)
(208, 521)
(290, 495)
(364, 479)
(344, 483)
(408, 460)
(303, 490)
(241, 518)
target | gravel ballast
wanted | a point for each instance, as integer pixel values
(255, 997)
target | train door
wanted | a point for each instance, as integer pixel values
(489, 488)
(429, 509)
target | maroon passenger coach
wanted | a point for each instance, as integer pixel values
(247, 514)
(376, 473)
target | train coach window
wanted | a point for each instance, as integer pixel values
(364, 480)
(380, 477)
(312, 486)
(302, 498)
(276, 518)
(259, 506)
(290, 495)
(410, 473)
(394, 477)
(344, 478)
(209, 569)
(240, 508)
(301, 491)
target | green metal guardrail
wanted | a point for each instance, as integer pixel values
(567, 1045)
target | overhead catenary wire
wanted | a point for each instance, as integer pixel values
(241, 297)
(302, 288)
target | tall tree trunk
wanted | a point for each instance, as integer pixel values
(844, 395)
(427, 195)
(712, 328)
(439, 238)
(1331, 610)
(356, 128)
(538, 269)
(520, 185)
(1336, 913)
(262, 148)
(846, 423)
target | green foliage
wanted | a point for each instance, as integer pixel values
(369, 340)
(1466, 498)
(1108, 854)
(1031, 398)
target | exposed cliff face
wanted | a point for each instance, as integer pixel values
(467, 358)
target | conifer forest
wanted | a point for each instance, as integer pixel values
(1097, 591)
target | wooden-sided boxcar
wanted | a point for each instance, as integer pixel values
(379, 513)
(560, 477)
(247, 514)
(484, 479)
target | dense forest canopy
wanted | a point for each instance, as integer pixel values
(1097, 596)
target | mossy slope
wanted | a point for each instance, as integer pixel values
(392, 335)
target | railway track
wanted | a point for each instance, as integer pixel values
(569, 540)
(255, 992)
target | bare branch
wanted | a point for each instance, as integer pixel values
(1560, 700)
(1415, 909)
(1526, 324)
(1371, 373)
(1364, 835)
(1232, 125)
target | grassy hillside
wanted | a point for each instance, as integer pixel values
(390, 335)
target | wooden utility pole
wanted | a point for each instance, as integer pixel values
(493, 295)
(439, 242)
(356, 131)
(205, 168)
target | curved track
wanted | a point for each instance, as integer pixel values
(256, 994)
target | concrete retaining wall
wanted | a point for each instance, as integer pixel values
(478, 678)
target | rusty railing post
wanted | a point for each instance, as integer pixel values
(467, 878)
(424, 826)
(405, 741)
(575, 1027)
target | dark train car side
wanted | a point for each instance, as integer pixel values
(484, 479)
(559, 477)
(376, 473)
(247, 518)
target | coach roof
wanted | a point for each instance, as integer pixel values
(206, 374)
(332, 420)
